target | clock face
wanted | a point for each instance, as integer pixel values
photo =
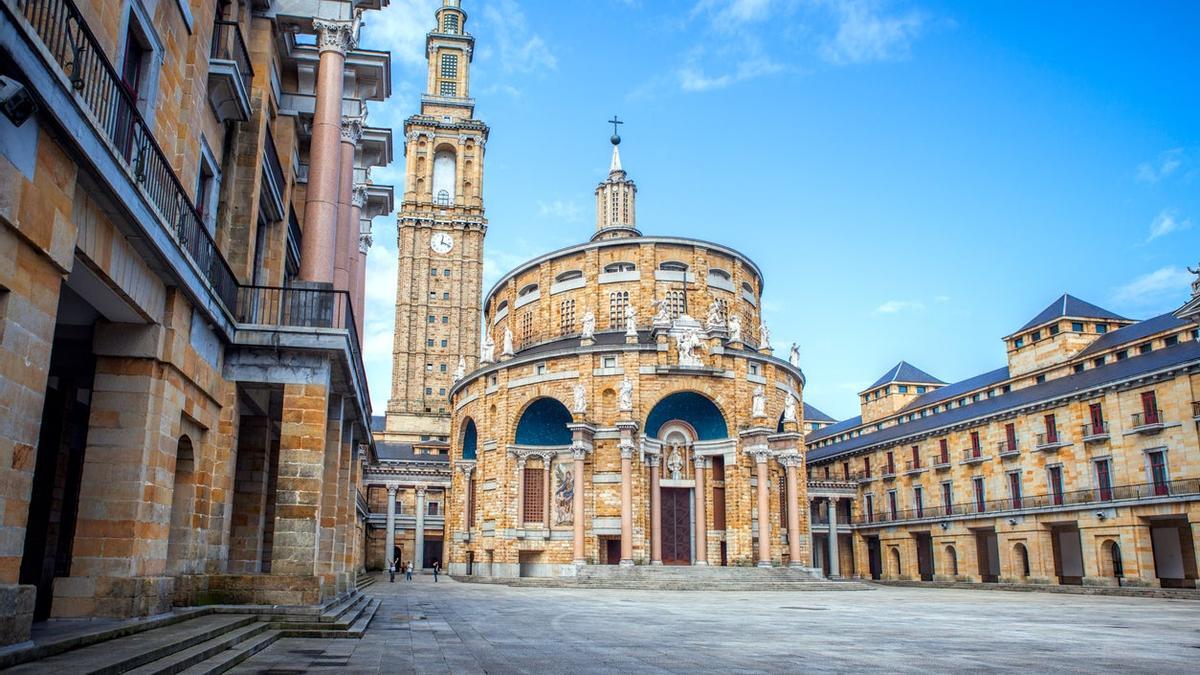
(441, 243)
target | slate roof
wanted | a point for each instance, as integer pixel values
(905, 372)
(834, 429)
(1135, 332)
(1070, 306)
(811, 414)
(378, 423)
(957, 389)
(1182, 353)
(390, 451)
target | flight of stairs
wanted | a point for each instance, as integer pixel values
(685, 578)
(199, 641)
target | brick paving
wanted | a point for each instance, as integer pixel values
(471, 628)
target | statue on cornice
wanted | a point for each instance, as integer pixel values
(688, 342)
(487, 353)
(758, 404)
(508, 342)
(794, 356)
(735, 328)
(662, 312)
(630, 321)
(1196, 281)
(625, 395)
(589, 326)
(716, 317)
(764, 336)
(461, 370)
(789, 408)
(579, 404)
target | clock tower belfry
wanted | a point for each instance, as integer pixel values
(440, 227)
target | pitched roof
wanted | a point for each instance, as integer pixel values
(1070, 306)
(378, 423)
(834, 429)
(905, 372)
(1184, 352)
(388, 451)
(958, 388)
(811, 414)
(1135, 332)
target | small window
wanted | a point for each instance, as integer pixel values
(432, 272)
(442, 391)
(1077, 326)
(719, 274)
(1101, 328)
(445, 342)
(1079, 367)
(445, 319)
(450, 65)
(673, 266)
(448, 88)
(428, 390)
(619, 267)
(450, 23)
(1037, 335)
(1144, 348)
(446, 272)
(429, 342)
(569, 275)
(442, 367)
(540, 369)
(432, 319)
(903, 389)
(1171, 341)
(429, 367)
(1098, 361)
(502, 306)
(1018, 343)
(610, 362)
(920, 390)
(446, 296)
(1054, 329)
(747, 287)
(1122, 355)
(1040, 379)
(753, 368)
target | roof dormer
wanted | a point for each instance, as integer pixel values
(1066, 327)
(894, 390)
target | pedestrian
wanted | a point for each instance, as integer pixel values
(391, 570)
(408, 571)
(436, 567)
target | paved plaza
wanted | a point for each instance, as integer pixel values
(467, 628)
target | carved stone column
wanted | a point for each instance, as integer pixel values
(834, 563)
(520, 519)
(319, 243)
(626, 504)
(581, 445)
(791, 463)
(655, 511)
(419, 553)
(546, 461)
(346, 248)
(390, 538)
(701, 498)
(358, 274)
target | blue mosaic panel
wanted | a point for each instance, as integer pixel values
(693, 408)
(544, 422)
(469, 440)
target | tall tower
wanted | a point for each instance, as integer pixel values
(616, 197)
(440, 226)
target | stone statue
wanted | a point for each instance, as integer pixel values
(689, 341)
(716, 317)
(625, 395)
(508, 342)
(662, 311)
(630, 321)
(758, 405)
(461, 370)
(589, 326)
(764, 336)
(1196, 281)
(794, 356)
(579, 404)
(675, 464)
(735, 328)
(789, 408)
(487, 353)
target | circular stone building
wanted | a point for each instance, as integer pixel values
(627, 410)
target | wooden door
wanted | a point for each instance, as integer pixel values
(677, 526)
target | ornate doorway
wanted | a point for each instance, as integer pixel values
(677, 526)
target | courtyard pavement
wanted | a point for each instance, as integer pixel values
(451, 627)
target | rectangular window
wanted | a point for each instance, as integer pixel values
(1150, 408)
(870, 508)
(617, 301)
(526, 328)
(948, 497)
(1054, 330)
(944, 446)
(1078, 368)
(432, 272)
(450, 66)
(446, 296)
(1170, 340)
(1158, 471)
(1014, 488)
(866, 467)
(448, 88)
(442, 367)
(450, 23)
(916, 457)
(431, 319)
(891, 462)
(1051, 428)
(532, 509)
(1103, 479)
(446, 272)
(1019, 342)
(433, 509)
(1054, 476)
(445, 342)
(1144, 348)
(919, 501)
(980, 497)
(1077, 326)
(975, 447)
(566, 317)
(1010, 437)
(846, 470)
(1096, 415)
(429, 342)
(902, 389)
(1101, 328)
(826, 472)
(783, 510)
(893, 507)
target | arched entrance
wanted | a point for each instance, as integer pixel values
(543, 423)
(952, 561)
(181, 539)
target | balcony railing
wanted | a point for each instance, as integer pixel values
(301, 308)
(1196, 410)
(1147, 421)
(1177, 488)
(1008, 449)
(972, 455)
(273, 172)
(1094, 433)
(228, 45)
(888, 472)
(65, 34)
(912, 466)
(940, 462)
(1049, 441)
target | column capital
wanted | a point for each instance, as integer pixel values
(352, 128)
(653, 460)
(420, 492)
(466, 469)
(627, 449)
(392, 489)
(698, 461)
(760, 453)
(580, 449)
(358, 195)
(790, 459)
(336, 36)
(547, 458)
(365, 241)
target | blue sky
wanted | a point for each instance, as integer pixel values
(915, 179)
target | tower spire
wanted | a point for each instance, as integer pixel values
(616, 197)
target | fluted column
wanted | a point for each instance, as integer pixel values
(834, 562)
(626, 504)
(655, 511)
(319, 244)
(580, 454)
(346, 248)
(701, 498)
(764, 508)
(419, 553)
(791, 464)
(390, 538)
(546, 491)
(358, 274)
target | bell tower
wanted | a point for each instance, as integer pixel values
(616, 197)
(440, 231)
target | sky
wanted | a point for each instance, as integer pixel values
(915, 179)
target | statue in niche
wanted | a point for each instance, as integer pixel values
(735, 328)
(579, 404)
(625, 395)
(487, 353)
(508, 342)
(789, 408)
(564, 494)
(758, 405)
(630, 321)
(589, 326)
(675, 464)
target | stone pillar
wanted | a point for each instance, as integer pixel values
(359, 277)
(520, 519)
(791, 463)
(419, 535)
(764, 509)
(626, 504)
(834, 561)
(468, 471)
(346, 249)
(250, 495)
(701, 499)
(390, 537)
(581, 445)
(655, 511)
(298, 486)
(331, 498)
(546, 462)
(319, 244)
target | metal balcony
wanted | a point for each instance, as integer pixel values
(1150, 422)
(1050, 442)
(1008, 449)
(973, 456)
(230, 73)
(1094, 433)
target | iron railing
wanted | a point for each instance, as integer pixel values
(271, 161)
(1007, 448)
(64, 32)
(1097, 431)
(1049, 440)
(301, 308)
(940, 461)
(973, 454)
(228, 45)
(1149, 418)
(1096, 495)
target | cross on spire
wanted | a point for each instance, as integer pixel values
(616, 138)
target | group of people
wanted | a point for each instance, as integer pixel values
(393, 563)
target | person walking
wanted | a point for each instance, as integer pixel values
(437, 566)
(391, 570)
(408, 571)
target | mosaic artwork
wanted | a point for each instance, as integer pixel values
(564, 494)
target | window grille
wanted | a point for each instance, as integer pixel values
(617, 301)
(532, 509)
(566, 317)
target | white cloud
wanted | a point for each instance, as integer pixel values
(565, 210)
(942, 298)
(1166, 222)
(731, 13)
(897, 306)
(1165, 165)
(864, 34)
(400, 28)
(692, 77)
(1164, 284)
(380, 305)
(517, 48)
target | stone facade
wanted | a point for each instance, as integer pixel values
(1075, 464)
(181, 409)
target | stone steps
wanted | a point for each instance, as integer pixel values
(674, 585)
(684, 578)
(193, 656)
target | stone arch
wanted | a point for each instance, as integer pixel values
(696, 409)
(951, 560)
(445, 173)
(1111, 563)
(897, 568)
(180, 538)
(1021, 559)
(543, 421)
(469, 439)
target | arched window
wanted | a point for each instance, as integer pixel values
(444, 178)
(620, 267)
(718, 278)
(673, 266)
(544, 422)
(569, 275)
(747, 287)
(1021, 554)
(952, 560)
(566, 317)
(531, 288)
(715, 273)
(501, 312)
(470, 439)
(677, 303)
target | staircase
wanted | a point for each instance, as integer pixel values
(198, 641)
(686, 578)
